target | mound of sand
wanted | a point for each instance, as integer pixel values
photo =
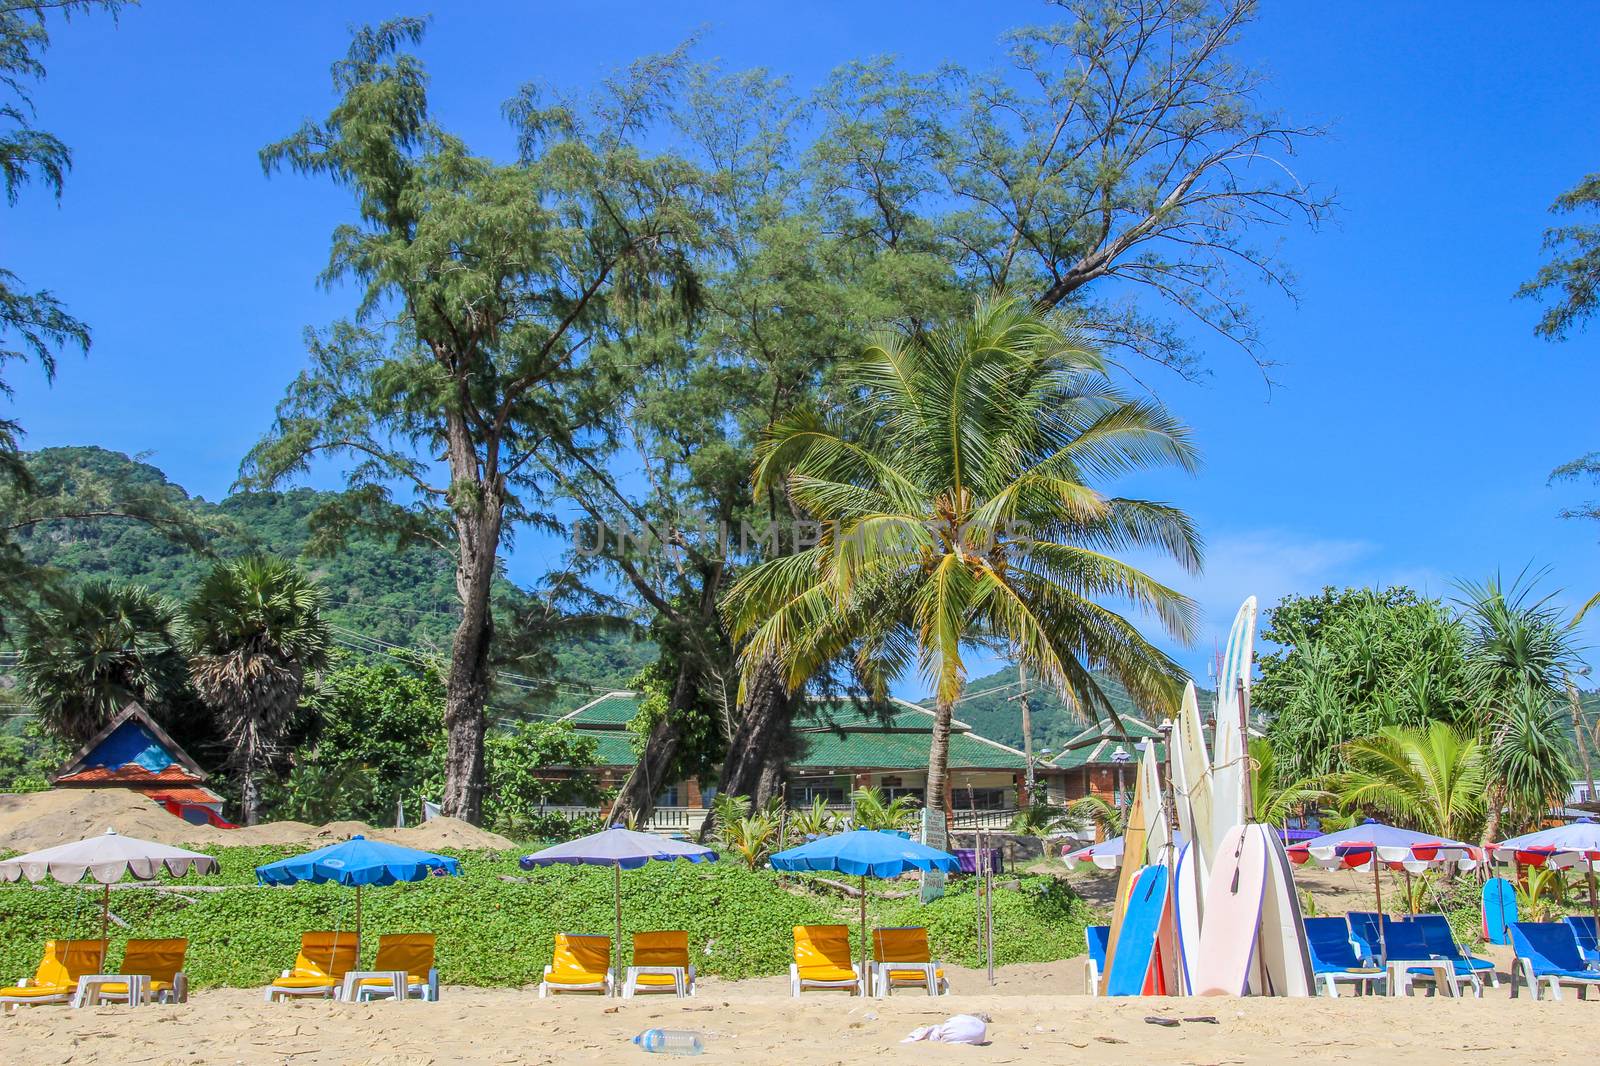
(42, 819)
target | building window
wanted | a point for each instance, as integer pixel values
(981, 799)
(892, 793)
(835, 792)
(669, 798)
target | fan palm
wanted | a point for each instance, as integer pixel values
(254, 628)
(1277, 794)
(956, 508)
(1428, 779)
(1529, 758)
(86, 657)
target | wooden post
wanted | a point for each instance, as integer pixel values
(616, 981)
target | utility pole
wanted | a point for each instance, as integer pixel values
(1578, 731)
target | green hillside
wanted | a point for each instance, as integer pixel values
(375, 594)
(991, 707)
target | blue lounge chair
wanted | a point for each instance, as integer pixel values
(1364, 932)
(1403, 942)
(1099, 936)
(1548, 952)
(1588, 937)
(1441, 940)
(1334, 958)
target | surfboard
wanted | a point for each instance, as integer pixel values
(1228, 748)
(1186, 905)
(1233, 914)
(1135, 835)
(1283, 958)
(1194, 795)
(1134, 951)
(1499, 910)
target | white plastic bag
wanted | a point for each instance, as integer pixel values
(957, 1029)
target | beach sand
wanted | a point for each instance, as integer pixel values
(1036, 1018)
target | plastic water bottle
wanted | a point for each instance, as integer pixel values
(670, 1042)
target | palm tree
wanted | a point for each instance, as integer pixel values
(254, 628)
(1276, 794)
(1428, 779)
(86, 657)
(1519, 653)
(955, 497)
(869, 809)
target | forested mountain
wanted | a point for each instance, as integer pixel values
(990, 706)
(375, 594)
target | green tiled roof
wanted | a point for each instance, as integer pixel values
(613, 709)
(1097, 744)
(834, 734)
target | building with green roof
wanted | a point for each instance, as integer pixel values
(1103, 759)
(844, 745)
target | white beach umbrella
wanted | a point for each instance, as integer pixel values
(106, 858)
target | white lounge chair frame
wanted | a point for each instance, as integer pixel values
(798, 984)
(399, 988)
(1523, 968)
(91, 990)
(9, 1003)
(276, 992)
(1328, 982)
(682, 983)
(882, 986)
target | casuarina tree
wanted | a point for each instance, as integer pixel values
(491, 339)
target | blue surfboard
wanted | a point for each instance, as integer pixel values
(1136, 942)
(1499, 910)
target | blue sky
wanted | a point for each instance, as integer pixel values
(1415, 419)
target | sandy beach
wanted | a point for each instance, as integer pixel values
(756, 1023)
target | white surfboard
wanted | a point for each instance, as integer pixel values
(1186, 906)
(1228, 748)
(1193, 796)
(1233, 916)
(1283, 961)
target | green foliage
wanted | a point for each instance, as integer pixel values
(701, 742)
(100, 648)
(27, 756)
(869, 809)
(1085, 814)
(1277, 795)
(1573, 273)
(377, 737)
(520, 760)
(500, 932)
(750, 834)
(1352, 662)
(1431, 780)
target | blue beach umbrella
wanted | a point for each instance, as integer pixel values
(864, 853)
(359, 862)
(621, 849)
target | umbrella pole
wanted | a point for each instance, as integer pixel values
(1411, 907)
(105, 906)
(1594, 908)
(616, 884)
(1377, 890)
(864, 979)
(358, 927)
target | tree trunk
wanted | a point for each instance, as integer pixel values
(763, 738)
(467, 688)
(249, 794)
(939, 756)
(637, 800)
(1491, 822)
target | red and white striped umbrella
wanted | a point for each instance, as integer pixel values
(1396, 848)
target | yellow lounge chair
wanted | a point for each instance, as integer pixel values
(822, 959)
(901, 959)
(56, 980)
(320, 968)
(157, 966)
(660, 964)
(581, 964)
(404, 968)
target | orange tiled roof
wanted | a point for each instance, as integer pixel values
(179, 795)
(128, 774)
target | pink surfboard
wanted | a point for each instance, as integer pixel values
(1232, 914)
